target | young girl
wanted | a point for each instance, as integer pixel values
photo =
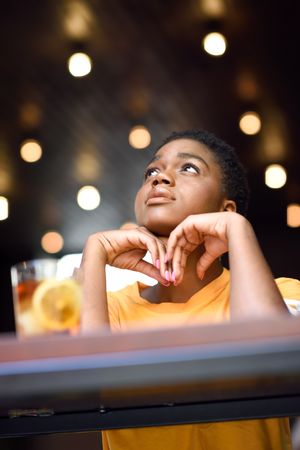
(190, 210)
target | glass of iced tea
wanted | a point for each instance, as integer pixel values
(45, 302)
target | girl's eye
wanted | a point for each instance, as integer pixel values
(151, 172)
(190, 168)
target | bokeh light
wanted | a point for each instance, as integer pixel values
(293, 215)
(6, 180)
(250, 123)
(247, 86)
(139, 137)
(31, 151)
(79, 64)
(88, 198)
(52, 242)
(3, 208)
(30, 115)
(87, 166)
(213, 8)
(275, 176)
(215, 44)
(78, 20)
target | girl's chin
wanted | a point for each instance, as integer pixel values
(160, 229)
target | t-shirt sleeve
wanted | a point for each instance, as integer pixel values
(105, 445)
(290, 291)
(113, 311)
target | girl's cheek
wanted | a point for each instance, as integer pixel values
(136, 203)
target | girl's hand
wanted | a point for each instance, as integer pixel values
(210, 230)
(126, 249)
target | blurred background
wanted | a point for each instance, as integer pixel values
(89, 88)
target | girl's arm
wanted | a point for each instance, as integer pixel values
(92, 277)
(253, 292)
(124, 249)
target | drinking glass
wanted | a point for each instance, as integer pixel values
(46, 301)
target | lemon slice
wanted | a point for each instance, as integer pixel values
(56, 304)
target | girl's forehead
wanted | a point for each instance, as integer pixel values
(190, 147)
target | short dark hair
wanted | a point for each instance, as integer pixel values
(234, 179)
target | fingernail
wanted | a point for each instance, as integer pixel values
(173, 276)
(167, 276)
(157, 264)
(201, 277)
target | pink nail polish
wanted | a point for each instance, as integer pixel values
(167, 276)
(173, 276)
(157, 264)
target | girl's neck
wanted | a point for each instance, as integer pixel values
(190, 284)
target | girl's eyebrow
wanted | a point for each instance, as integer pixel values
(192, 155)
(183, 155)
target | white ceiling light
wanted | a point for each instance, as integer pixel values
(88, 198)
(3, 208)
(275, 176)
(79, 64)
(215, 44)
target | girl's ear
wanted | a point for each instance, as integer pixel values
(229, 205)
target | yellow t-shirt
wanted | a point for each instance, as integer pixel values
(129, 311)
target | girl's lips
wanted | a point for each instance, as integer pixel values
(159, 195)
(158, 200)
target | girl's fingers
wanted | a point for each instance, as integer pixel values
(173, 242)
(180, 257)
(184, 257)
(163, 267)
(176, 265)
(157, 250)
(203, 264)
(151, 271)
(185, 235)
(174, 256)
(149, 243)
(182, 250)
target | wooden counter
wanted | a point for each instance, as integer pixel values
(158, 377)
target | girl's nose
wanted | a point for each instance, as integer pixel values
(163, 178)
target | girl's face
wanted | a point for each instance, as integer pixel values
(182, 179)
